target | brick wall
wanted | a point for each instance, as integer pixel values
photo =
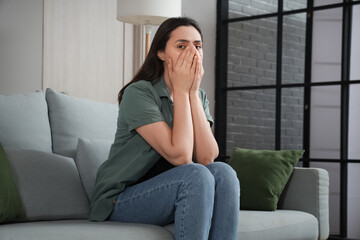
(252, 51)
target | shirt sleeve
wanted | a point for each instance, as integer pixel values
(140, 105)
(205, 103)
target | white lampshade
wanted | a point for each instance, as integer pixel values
(147, 12)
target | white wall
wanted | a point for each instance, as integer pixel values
(21, 24)
(84, 49)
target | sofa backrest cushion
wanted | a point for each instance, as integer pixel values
(72, 118)
(24, 121)
(49, 185)
(89, 157)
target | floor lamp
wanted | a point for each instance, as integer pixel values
(148, 13)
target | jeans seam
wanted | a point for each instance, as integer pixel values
(184, 213)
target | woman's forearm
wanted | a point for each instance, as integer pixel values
(182, 133)
(176, 144)
(205, 145)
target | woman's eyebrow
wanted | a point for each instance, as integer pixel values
(184, 40)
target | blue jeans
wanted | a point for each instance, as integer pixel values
(202, 201)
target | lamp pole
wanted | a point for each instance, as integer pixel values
(148, 29)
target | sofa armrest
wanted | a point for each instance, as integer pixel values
(308, 190)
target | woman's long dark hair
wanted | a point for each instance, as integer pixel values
(153, 67)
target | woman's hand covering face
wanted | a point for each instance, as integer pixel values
(183, 73)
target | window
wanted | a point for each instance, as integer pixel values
(288, 77)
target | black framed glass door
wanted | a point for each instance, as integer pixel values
(288, 77)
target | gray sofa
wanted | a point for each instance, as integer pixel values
(55, 143)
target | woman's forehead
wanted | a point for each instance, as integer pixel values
(185, 33)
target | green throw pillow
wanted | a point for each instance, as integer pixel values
(263, 175)
(11, 207)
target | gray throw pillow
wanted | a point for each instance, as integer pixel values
(49, 185)
(89, 157)
(72, 118)
(24, 121)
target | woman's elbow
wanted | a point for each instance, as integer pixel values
(214, 153)
(182, 159)
(209, 157)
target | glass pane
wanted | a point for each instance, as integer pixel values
(241, 8)
(294, 4)
(293, 59)
(250, 119)
(353, 201)
(334, 194)
(326, 2)
(354, 120)
(355, 46)
(326, 45)
(325, 122)
(252, 52)
(300, 163)
(292, 116)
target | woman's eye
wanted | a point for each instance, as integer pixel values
(181, 46)
(198, 47)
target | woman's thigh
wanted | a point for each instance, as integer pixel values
(155, 200)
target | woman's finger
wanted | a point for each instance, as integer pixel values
(194, 65)
(198, 69)
(190, 57)
(201, 66)
(169, 64)
(181, 59)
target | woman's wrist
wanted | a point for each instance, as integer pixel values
(193, 95)
(180, 93)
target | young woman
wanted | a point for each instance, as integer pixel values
(161, 165)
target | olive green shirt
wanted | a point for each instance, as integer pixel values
(131, 157)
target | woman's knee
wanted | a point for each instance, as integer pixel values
(221, 168)
(197, 174)
(223, 172)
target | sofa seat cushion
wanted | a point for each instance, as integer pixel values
(276, 225)
(72, 118)
(82, 230)
(49, 185)
(24, 121)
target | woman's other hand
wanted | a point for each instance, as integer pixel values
(199, 72)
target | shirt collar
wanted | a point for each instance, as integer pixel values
(161, 87)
